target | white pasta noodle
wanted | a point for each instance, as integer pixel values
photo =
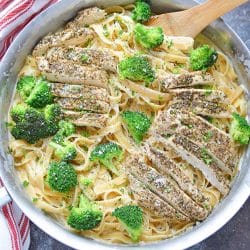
(115, 32)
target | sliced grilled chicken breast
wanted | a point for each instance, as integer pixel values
(91, 120)
(102, 59)
(166, 188)
(190, 95)
(201, 132)
(82, 119)
(65, 37)
(152, 202)
(67, 72)
(172, 81)
(87, 17)
(94, 105)
(199, 158)
(167, 166)
(202, 102)
(80, 91)
(203, 108)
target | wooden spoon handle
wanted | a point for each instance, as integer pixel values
(192, 21)
(202, 15)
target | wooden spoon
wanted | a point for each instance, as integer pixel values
(192, 21)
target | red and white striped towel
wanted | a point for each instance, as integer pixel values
(14, 15)
(18, 236)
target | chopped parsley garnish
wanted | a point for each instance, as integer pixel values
(85, 133)
(207, 136)
(84, 58)
(35, 199)
(209, 119)
(105, 32)
(170, 43)
(206, 157)
(25, 184)
(208, 92)
(86, 181)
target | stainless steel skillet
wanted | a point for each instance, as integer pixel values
(50, 20)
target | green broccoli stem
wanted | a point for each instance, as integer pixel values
(109, 164)
(133, 233)
(84, 202)
(55, 145)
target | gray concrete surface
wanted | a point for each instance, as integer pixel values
(235, 234)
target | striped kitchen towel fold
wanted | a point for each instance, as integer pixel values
(18, 227)
(14, 15)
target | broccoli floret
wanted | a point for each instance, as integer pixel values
(65, 152)
(86, 216)
(105, 153)
(203, 57)
(61, 176)
(239, 129)
(142, 12)
(35, 92)
(18, 113)
(66, 129)
(64, 149)
(25, 86)
(40, 95)
(137, 124)
(30, 124)
(136, 68)
(131, 217)
(52, 114)
(148, 37)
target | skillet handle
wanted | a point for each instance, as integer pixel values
(4, 196)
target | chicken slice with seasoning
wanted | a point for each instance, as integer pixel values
(65, 37)
(68, 72)
(80, 91)
(211, 103)
(166, 188)
(82, 119)
(87, 17)
(172, 81)
(166, 166)
(198, 130)
(199, 158)
(102, 59)
(93, 105)
(152, 202)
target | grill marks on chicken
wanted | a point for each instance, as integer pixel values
(166, 188)
(102, 59)
(172, 81)
(201, 132)
(211, 103)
